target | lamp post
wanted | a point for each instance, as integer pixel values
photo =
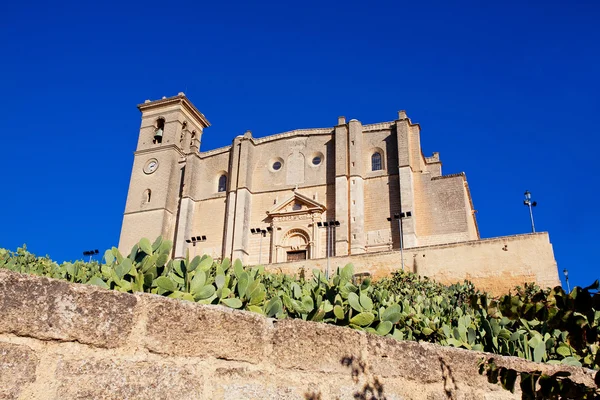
(530, 204)
(399, 217)
(330, 227)
(90, 253)
(195, 239)
(566, 272)
(262, 233)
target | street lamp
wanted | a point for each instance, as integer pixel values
(399, 217)
(195, 239)
(90, 253)
(330, 226)
(566, 272)
(262, 233)
(530, 204)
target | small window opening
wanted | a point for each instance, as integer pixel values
(277, 165)
(158, 132)
(297, 206)
(147, 196)
(222, 183)
(376, 162)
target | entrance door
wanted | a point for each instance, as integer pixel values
(296, 255)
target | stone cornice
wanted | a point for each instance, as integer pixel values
(219, 150)
(460, 174)
(296, 132)
(148, 210)
(159, 149)
(179, 99)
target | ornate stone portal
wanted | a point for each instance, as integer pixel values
(295, 232)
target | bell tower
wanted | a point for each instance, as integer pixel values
(171, 129)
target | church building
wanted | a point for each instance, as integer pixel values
(343, 190)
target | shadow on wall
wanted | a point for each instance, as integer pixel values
(372, 388)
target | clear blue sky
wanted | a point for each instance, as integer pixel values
(506, 92)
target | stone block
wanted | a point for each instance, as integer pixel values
(236, 383)
(46, 309)
(314, 346)
(389, 357)
(460, 366)
(17, 367)
(125, 379)
(188, 329)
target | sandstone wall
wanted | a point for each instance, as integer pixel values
(68, 341)
(495, 265)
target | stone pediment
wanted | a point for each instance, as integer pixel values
(296, 204)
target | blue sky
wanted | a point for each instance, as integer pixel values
(506, 92)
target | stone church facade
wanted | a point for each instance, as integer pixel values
(267, 200)
(261, 199)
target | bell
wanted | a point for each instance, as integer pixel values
(158, 133)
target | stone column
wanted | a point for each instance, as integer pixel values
(356, 183)
(239, 200)
(341, 188)
(408, 164)
(231, 200)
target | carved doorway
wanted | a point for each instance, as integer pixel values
(296, 255)
(295, 246)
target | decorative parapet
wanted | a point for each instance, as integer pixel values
(300, 132)
(457, 175)
(378, 126)
(435, 158)
(296, 132)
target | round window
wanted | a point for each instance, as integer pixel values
(277, 165)
(316, 160)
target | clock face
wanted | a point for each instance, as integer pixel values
(151, 166)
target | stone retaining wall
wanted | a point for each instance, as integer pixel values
(68, 341)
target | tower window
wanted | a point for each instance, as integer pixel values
(222, 183)
(147, 195)
(158, 132)
(376, 162)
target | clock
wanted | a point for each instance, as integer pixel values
(151, 166)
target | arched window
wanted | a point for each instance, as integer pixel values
(222, 183)
(158, 132)
(376, 162)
